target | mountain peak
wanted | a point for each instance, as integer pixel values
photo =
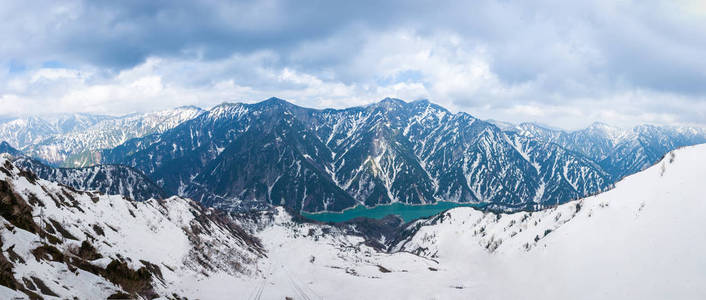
(389, 100)
(226, 104)
(388, 103)
(275, 100)
(602, 126)
(539, 126)
(609, 131)
(505, 126)
(188, 107)
(428, 104)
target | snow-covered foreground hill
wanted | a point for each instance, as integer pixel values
(643, 240)
(60, 242)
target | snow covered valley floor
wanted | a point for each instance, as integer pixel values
(645, 239)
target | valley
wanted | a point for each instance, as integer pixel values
(348, 150)
(463, 252)
(466, 253)
(358, 160)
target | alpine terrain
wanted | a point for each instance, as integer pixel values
(620, 152)
(106, 179)
(61, 243)
(73, 140)
(219, 150)
(57, 241)
(239, 155)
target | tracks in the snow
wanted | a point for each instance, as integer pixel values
(301, 290)
(256, 294)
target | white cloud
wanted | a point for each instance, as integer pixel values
(565, 64)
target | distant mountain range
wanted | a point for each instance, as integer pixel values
(73, 140)
(106, 179)
(619, 152)
(243, 156)
(274, 152)
(62, 243)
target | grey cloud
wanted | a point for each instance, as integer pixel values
(636, 43)
(122, 34)
(541, 53)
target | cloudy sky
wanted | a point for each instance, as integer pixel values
(561, 63)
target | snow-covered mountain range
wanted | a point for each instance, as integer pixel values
(237, 156)
(642, 239)
(619, 152)
(106, 179)
(277, 153)
(73, 140)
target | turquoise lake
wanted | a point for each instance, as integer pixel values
(407, 212)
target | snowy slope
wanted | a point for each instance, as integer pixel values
(642, 240)
(310, 261)
(57, 241)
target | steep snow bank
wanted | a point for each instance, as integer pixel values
(58, 241)
(644, 239)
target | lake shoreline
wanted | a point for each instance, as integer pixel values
(407, 212)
